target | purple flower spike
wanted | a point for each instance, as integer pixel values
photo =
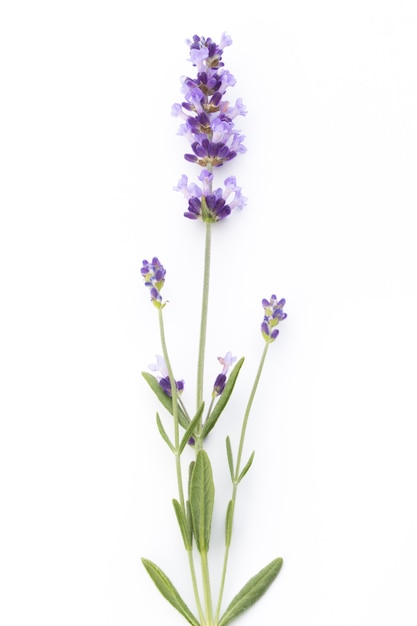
(154, 276)
(209, 124)
(274, 314)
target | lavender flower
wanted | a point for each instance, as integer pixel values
(208, 119)
(220, 381)
(273, 315)
(209, 127)
(211, 206)
(163, 377)
(154, 275)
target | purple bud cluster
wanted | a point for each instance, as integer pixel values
(153, 274)
(209, 127)
(273, 314)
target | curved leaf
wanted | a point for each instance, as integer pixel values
(247, 467)
(163, 433)
(229, 522)
(169, 592)
(252, 591)
(183, 524)
(230, 458)
(164, 399)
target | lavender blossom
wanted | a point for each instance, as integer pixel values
(220, 381)
(154, 275)
(273, 315)
(208, 125)
(211, 206)
(162, 376)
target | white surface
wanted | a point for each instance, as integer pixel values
(89, 158)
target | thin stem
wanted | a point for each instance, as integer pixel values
(237, 472)
(206, 586)
(174, 392)
(203, 323)
(248, 409)
(174, 395)
(195, 588)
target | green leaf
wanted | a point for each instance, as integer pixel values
(190, 428)
(247, 466)
(164, 399)
(230, 458)
(189, 523)
(223, 399)
(190, 475)
(169, 592)
(202, 500)
(183, 524)
(229, 522)
(163, 433)
(252, 591)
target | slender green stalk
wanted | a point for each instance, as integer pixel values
(174, 395)
(195, 588)
(237, 472)
(207, 588)
(248, 408)
(203, 324)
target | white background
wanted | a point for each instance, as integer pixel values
(89, 156)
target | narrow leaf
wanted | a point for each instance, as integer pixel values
(230, 458)
(229, 522)
(163, 432)
(190, 475)
(202, 500)
(191, 427)
(247, 466)
(169, 592)
(252, 591)
(223, 399)
(182, 523)
(164, 399)
(189, 523)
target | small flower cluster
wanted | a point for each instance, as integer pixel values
(273, 315)
(209, 127)
(209, 205)
(154, 275)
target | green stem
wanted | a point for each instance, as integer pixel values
(206, 586)
(174, 395)
(237, 472)
(195, 588)
(203, 325)
(248, 409)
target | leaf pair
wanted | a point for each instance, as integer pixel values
(231, 463)
(247, 596)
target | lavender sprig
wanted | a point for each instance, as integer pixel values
(208, 125)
